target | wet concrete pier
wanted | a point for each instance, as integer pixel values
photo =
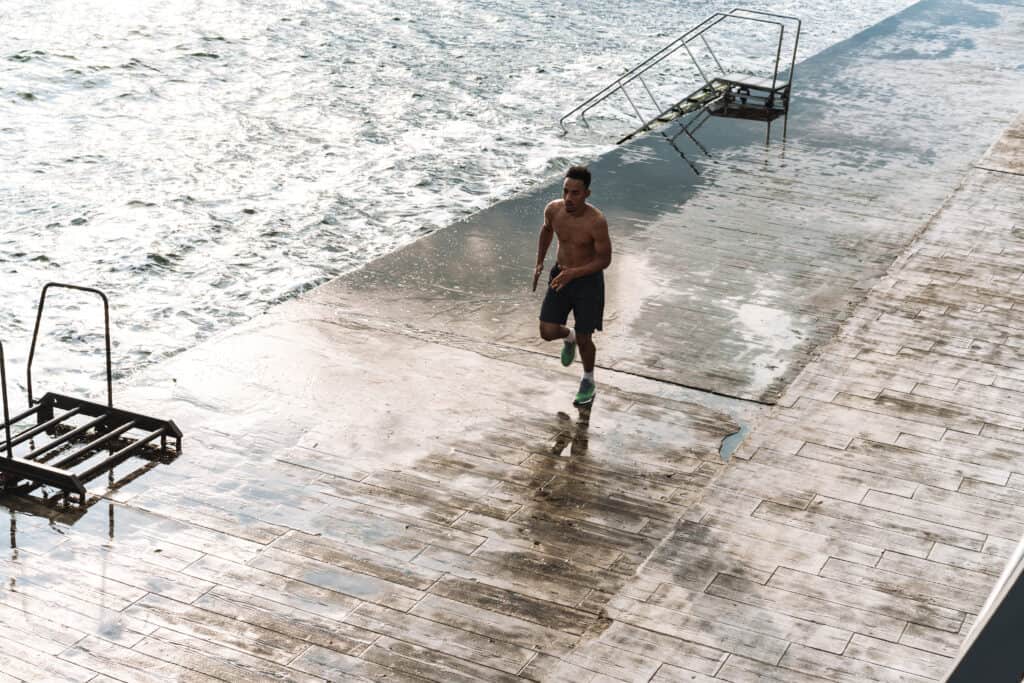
(386, 480)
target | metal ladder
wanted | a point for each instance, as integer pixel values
(762, 97)
(49, 456)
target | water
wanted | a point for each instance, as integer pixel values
(201, 161)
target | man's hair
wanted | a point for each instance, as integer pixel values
(579, 173)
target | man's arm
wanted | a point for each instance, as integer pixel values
(543, 243)
(602, 257)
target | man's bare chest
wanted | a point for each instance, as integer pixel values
(573, 233)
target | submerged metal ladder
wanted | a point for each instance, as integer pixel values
(59, 425)
(729, 94)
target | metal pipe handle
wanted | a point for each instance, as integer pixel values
(628, 76)
(7, 413)
(106, 329)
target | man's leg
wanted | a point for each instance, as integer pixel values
(588, 311)
(553, 331)
(554, 313)
(588, 352)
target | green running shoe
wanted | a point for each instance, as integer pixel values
(586, 393)
(568, 353)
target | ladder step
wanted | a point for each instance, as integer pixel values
(110, 425)
(744, 80)
(42, 427)
(119, 457)
(41, 473)
(45, 448)
(82, 452)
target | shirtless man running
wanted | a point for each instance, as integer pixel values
(576, 282)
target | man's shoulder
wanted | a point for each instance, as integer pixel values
(554, 211)
(596, 215)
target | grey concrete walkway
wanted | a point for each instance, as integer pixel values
(384, 482)
(890, 477)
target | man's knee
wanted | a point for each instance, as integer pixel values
(550, 331)
(584, 340)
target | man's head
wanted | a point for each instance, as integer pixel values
(576, 188)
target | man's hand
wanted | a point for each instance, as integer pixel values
(564, 277)
(536, 275)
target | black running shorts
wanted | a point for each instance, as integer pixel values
(584, 296)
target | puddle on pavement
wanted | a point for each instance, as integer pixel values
(35, 530)
(733, 441)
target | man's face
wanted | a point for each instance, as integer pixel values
(574, 194)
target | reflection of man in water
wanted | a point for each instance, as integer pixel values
(576, 282)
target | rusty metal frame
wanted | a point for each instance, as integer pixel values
(48, 463)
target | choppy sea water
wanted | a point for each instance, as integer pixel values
(200, 161)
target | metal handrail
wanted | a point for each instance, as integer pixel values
(682, 42)
(796, 37)
(713, 55)
(792, 63)
(708, 84)
(106, 328)
(639, 68)
(3, 391)
(796, 41)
